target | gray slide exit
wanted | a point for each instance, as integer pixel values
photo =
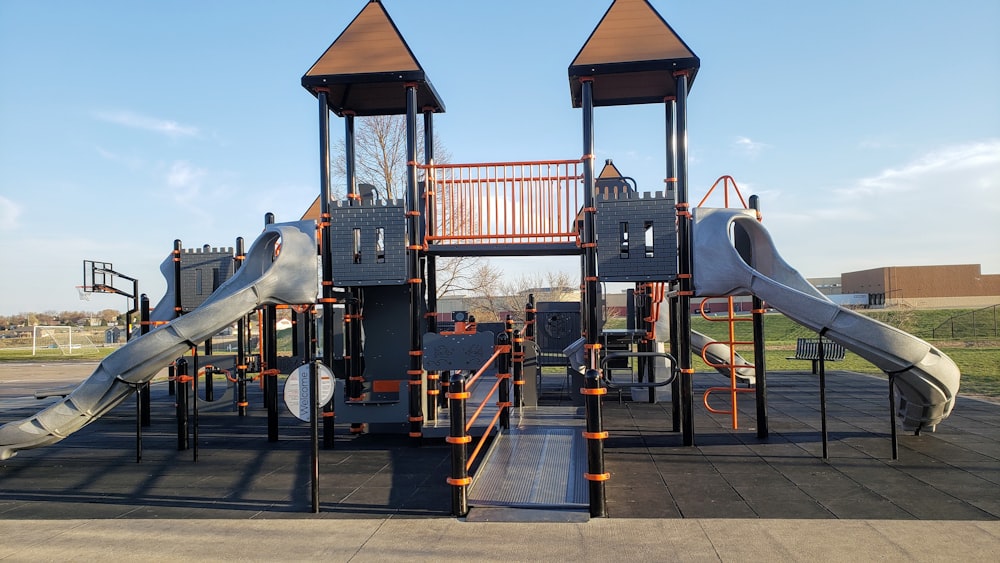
(280, 268)
(927, 379)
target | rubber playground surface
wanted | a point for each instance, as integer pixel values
(942, 482)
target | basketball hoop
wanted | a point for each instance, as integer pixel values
(85, 292)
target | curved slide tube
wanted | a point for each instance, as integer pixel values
(927, 379)
(717, 353)
(287, 276)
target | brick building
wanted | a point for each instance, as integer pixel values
(962, 285)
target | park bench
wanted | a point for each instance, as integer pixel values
(808, 349)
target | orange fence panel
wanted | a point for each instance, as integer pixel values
(503, 202)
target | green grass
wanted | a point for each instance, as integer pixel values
(979, 359)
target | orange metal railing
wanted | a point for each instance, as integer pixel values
(493, 392)
(727, 183)
(503, 202)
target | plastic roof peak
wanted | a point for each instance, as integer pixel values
(365, 69)
(632, 56)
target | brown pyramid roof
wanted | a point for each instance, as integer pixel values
(632, 55)
(366, 67)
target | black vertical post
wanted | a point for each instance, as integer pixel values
(595, 446)
(676, 405)
(595, 436)
(178, 308)
(759, 351)
(822, 396)
(352, 309)
(684, 261)
(503, 374)
(433, 377)
(209, 379)
(314, 406)
(892, 416)
(138, 422)
(413, 247)
(143, 388)
(517, 357)
(459, 479)
(269, 338)
(194, 404)
(529, 318)
(670, 183)
(326, 252)
(241, 351)
(181, 400)
(589, 239)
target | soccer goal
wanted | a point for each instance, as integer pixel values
(64, 338)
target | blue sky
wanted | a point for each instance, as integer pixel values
(870, 129)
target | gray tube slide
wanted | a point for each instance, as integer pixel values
(927, 380)
(280, 268)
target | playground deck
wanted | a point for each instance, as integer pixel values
(951, 474)
(730, 498)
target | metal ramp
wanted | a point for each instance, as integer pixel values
(538, 464)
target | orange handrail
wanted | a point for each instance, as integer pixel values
(526, 202)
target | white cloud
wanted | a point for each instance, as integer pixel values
(938, 174)
(166, 127)
(10, 212)
(185, 181)
(938, 208)
(749, 146)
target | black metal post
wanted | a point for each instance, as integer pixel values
(314, 407)
(430, 261)
(143, 388)
(459, 440)
(269, 339)
(892, 416)
(529, 318)
(241, 351)
(517, 357)
(413, 248)
(684, 260)
(326, 251)
(178, 308)
(822, 397)
(209, 381)
(181, 400)
(759, 352)
(676, 405)
(194, 404)
(503, 374)
(595, 435)
(138, 421)
(352, 310)
(591, 311)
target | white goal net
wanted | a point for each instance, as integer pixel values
(64, 338)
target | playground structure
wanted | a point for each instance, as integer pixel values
(378, 265)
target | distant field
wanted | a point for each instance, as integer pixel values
(978, 359)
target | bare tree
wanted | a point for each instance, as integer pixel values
(496, 296)
(380, 160)
(380, 154)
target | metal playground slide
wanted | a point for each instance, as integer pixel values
(280, 268)
(927, 380)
